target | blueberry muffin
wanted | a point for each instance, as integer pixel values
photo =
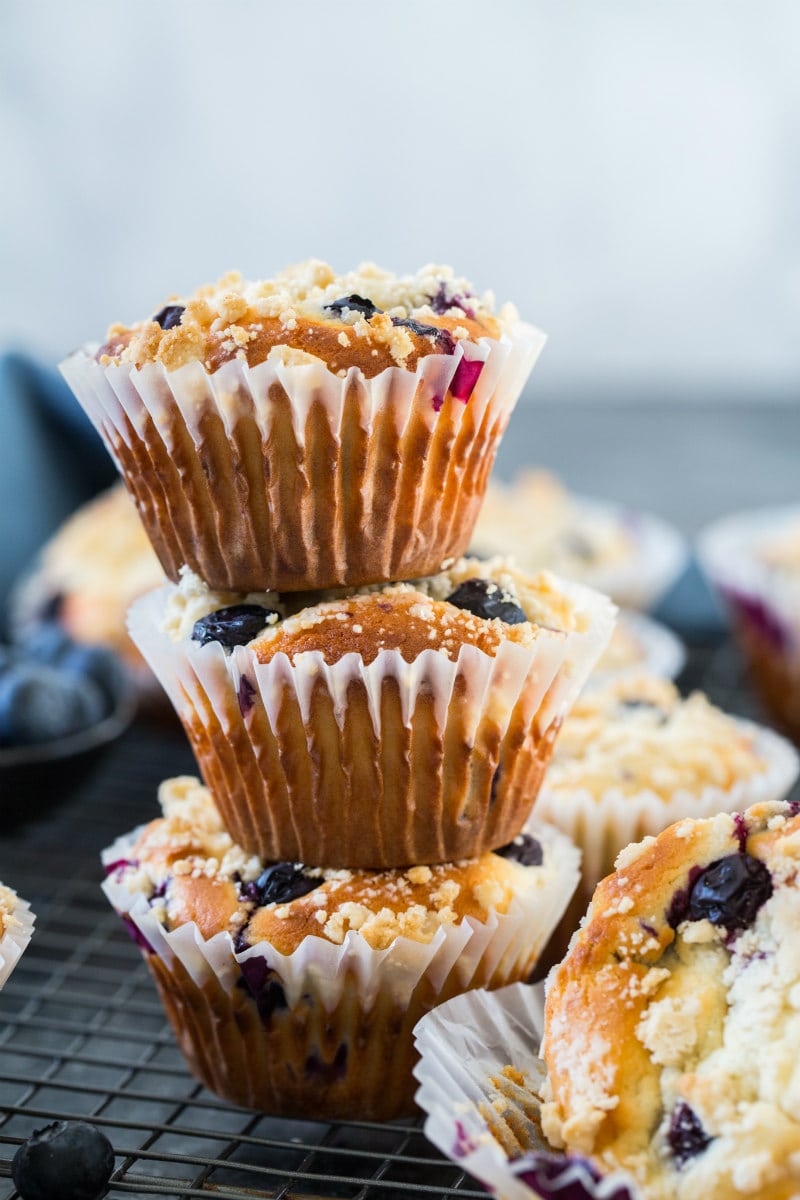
(294, 989)
(753, 560)
(409, 723)
(313, 430)
(633, 757)
(16, 928)
(87, 576)
(671, 1029)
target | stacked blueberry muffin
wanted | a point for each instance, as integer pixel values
(371, 713)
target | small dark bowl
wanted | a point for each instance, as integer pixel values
(34, 777)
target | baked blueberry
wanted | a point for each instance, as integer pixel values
(353, 303)
(170, 316)
(278, 884)
(235, 625)
(485, 599)
(68, 1160)
(445, 342)
(442, 303)
(730, 891)
(686, 1137)
(259, 979)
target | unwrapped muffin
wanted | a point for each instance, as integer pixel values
(671, 1029)
(633, 757)
(404, 724)
(295, 990)
(753, 560)
(313, 430)
(16, 929)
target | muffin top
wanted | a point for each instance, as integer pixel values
(189, 869)
(636, 734)
(468, 603)
(368, 319)
(672, 1026)
(538, 521)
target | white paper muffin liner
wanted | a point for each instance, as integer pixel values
(359, 1003)
(660, 651)
(602, 826)
(18, 930)
(476, 699)
(289, 477)
(497, 946)
(658, 558)
(487, 1123)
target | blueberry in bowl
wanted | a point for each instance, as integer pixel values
(61, 706)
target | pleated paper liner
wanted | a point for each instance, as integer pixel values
(326, 1032)
(291, 478)
(17, 928)
(385, 764)
(479, 1078)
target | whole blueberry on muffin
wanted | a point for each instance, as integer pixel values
(310, 430)
(671, 1027)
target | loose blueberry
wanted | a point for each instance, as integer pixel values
(354, 303)
(170, 316)
(46, 643)
(68, 1160)
(686, 1136)
(233, 626)
(730, 891)
(99, 666)
(485, 599)
(524, 849)
(39, 703)
(278, 884)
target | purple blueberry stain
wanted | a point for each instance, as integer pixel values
(136, 934)
(264, 986)
(441, 303)
(437, 403)
(245, 694)
(464, 1144)
(235, 625)
(728, 893)
(170, 316)
(754, 612)
(740, 828)
(686, 1137)
(554, 1175)
(498, 775)
(650, 930)
(328, 1072)
(524, 849)
(118, 867)
(464, 379)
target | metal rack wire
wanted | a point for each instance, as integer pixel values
(82, 1032)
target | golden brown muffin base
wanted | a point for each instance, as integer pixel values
(333, 508)
(263, 1064)
(330, 796)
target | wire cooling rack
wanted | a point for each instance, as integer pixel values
(82, 1032)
